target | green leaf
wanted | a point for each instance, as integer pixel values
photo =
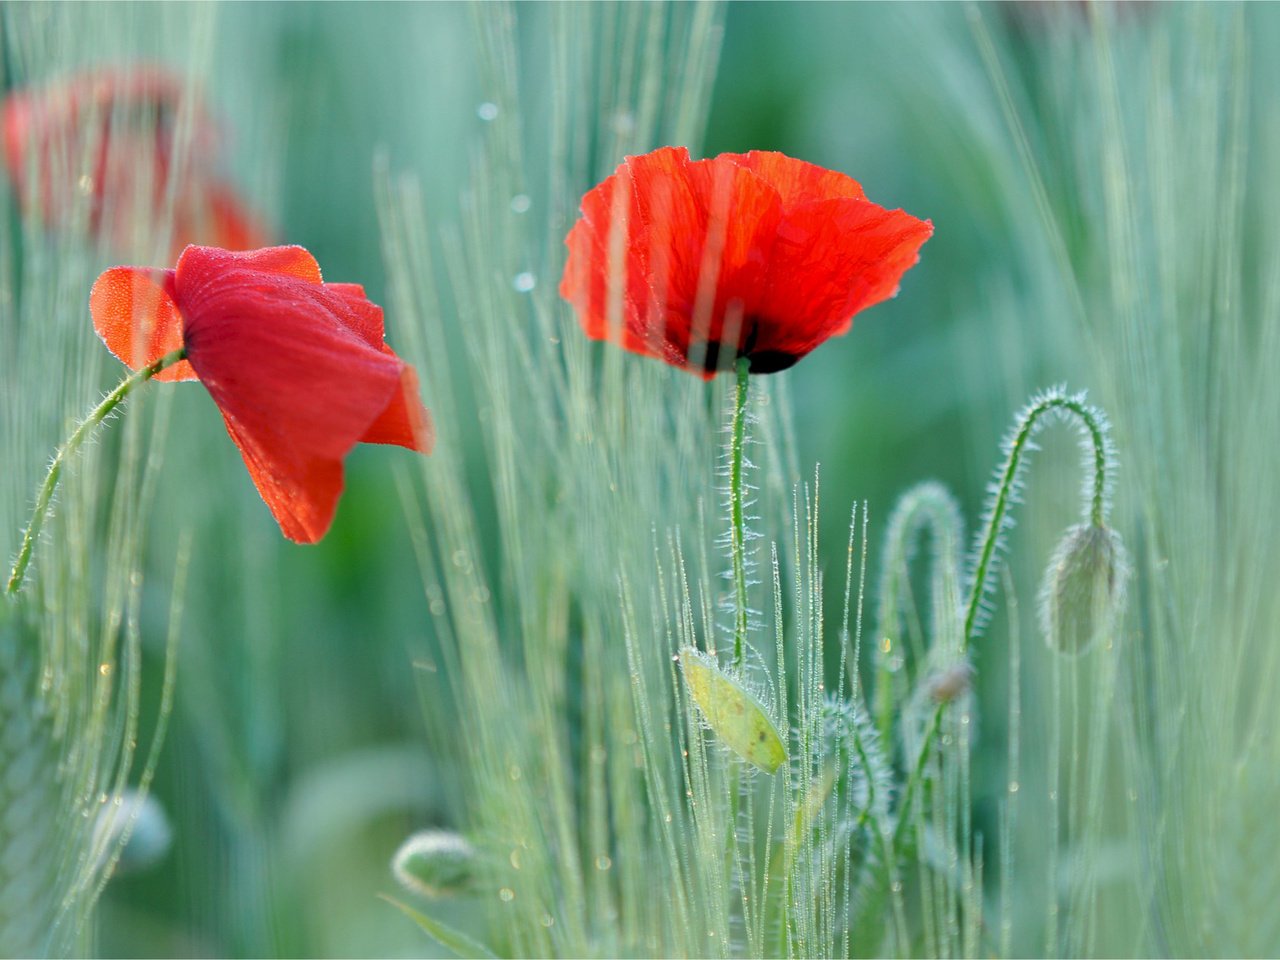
(442, 933)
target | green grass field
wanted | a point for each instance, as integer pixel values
(1008, 556)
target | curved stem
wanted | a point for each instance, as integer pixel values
(1000, 506)
(45, 494)
(991, 537)
(738, 532)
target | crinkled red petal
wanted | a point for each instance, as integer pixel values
(795, 180)
(667, 252)
(831, 259)
(297, 387)
(136, 317)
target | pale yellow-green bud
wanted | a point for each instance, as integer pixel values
(733, 713)
(1083, 593)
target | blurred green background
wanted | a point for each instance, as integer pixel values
(297, 757)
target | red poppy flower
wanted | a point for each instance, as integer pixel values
(297, 367)
(698, 262)
(111, 133)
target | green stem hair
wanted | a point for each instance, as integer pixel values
(738, 526)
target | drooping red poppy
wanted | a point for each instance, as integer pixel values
(297, 367)
(110, 134)
(698, 262)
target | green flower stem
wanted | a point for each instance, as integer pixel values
(991, 537)
(109, 403)
(738, 535)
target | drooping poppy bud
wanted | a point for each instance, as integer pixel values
(1083, 593)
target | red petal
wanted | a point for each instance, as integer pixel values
(405, 422)
(796, 181)
(303, 498)
(831, 259)
(297, 388)
(137, 319)
(200, 265)
(673, 249)
(358, 313)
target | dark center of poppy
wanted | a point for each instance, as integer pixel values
(719, 356)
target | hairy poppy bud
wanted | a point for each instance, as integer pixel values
(732, 712)
(950, 684)
(435, 863)
(1084, 588)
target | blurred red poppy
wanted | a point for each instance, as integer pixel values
(698, 262)
(297, 367)
(110, 135)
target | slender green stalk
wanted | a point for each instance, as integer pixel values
(109, 403)
(991, 538)
(738, 534)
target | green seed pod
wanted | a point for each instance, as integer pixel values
(732, 712)
(1083, 593)
(435, 863)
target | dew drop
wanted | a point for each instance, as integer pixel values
(521, 203)
(603, 862)
(524, 282)
(1013, 786)
(104, 669)
(487, 111)
(514, 772)
(85, 185)
(506, 894)
(547, 920)
(515, 859)
(894, 663)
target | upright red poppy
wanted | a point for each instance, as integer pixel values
(698, 262)
(111, 133)
(298, 367)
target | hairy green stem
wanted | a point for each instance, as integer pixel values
(738, 534)
(990, 539)
(45, 494)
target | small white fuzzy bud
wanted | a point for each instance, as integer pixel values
(435, 863)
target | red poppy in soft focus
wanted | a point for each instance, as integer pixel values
(110, 135)
(757, 255)
(298, 367)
